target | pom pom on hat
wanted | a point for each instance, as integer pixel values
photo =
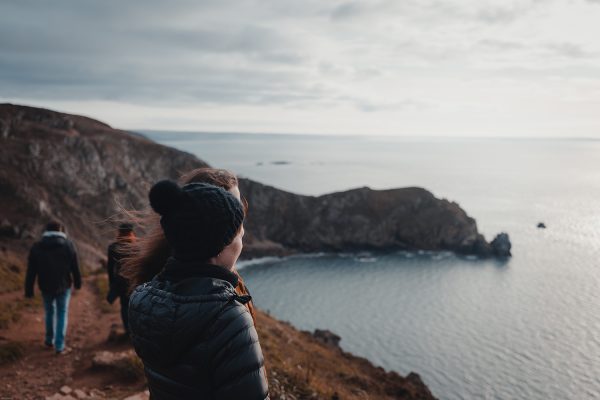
(165, 196)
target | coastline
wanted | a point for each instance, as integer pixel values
(73, 161)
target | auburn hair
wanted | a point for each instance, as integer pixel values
(147, 256)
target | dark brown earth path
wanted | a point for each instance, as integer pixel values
(41, 373)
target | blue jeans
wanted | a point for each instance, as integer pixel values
(56, 307)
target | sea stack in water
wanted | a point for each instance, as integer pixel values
(501, 245)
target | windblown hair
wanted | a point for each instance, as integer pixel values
(148, 255)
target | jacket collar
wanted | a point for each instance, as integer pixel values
(51, 234)
(177, 270)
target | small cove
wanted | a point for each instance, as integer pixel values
(473, 329)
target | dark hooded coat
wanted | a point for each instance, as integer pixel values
(53, 260)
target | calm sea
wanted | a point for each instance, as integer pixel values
(473, 329)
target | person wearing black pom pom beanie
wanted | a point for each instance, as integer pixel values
(191, 329)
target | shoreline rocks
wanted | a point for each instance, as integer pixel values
(327, 337)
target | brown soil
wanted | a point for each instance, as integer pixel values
(299, 366)
(41, 372)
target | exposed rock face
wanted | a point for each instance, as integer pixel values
(76, 169)
(327, 337)
(501, 245)
(358, 219)
(79, 171)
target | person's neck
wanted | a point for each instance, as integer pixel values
(215, 261)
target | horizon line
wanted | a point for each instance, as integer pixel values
(357, 135)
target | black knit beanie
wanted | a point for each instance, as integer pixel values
(198, 219)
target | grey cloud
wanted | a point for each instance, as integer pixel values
(85, 51)
(200, 84)
(569, 50)
(234, 52)
(246, 39)
(348, 10)
(433, 11)
(498, 15)
(562, 49)
(567, 72)
(500, 44)
(368, 106)
(252, 41)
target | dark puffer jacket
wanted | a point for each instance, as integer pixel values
(195, 336)
(53, 260)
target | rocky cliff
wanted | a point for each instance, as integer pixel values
(82, 172)
(77, 170)
(358, 219)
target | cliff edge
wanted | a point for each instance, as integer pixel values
(83, 172)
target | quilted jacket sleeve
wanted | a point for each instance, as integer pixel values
(32, 270)
(238, 362)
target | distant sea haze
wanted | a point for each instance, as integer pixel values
(473, 329)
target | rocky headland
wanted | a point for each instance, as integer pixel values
(84, 173)
(361, 219)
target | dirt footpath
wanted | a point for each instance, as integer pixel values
(41, 373)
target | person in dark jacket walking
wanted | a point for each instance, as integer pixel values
(53, 260)
(118, 285)
(189, 326)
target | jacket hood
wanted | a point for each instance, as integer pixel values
(175, 309)
(52, 239)
(50, 234)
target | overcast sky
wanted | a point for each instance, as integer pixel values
(401, 67)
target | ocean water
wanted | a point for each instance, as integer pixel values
(528, 328)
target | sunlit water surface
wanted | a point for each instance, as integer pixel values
(473, 329)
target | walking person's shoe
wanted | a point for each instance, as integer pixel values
(64, 351)
(49, 344)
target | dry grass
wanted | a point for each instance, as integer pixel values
(300, 367)
(102, 287)
(12, 278)
(132, 368)
(12, 275)
(10, 351)
(10, 311)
